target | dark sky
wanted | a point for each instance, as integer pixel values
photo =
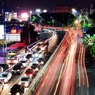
(46, 4)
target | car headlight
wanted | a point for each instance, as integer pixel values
(19, 83)
(15, 61)
(18, 70)
(42, 62)
(30, 75)
(9, 93)
(17, 93)
(5, 80)
(8, 61)
(36, 69)
(25, 75)
(26, 84)
(24, 65)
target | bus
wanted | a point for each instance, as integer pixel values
(13, 56)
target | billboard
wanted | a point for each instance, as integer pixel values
(13, 37)
(1, 31)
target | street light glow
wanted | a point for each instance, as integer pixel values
(44, 11)
(74, 10)
(24, 16)
(31, 12)
(38, 10)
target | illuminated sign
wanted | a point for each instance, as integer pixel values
(1, 31)
(13, 37)
(13, 30)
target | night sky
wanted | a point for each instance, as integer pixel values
(26, 5)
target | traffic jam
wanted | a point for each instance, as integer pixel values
(22, 68)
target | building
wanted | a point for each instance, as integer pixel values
(61, 9)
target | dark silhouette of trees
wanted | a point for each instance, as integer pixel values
(28, 33)
(55, 19)
(91, 31)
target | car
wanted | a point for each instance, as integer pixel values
(35, 54)
(5, 76)
(35, 60)
(41, 60)
(25, 80)
(17, 90)
(18, 68)
(5, 66)
(28, 56)
(24, 62)
(35, 67)
(1, 86)
(29, 72)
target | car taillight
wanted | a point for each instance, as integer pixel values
(8, 61)
(17, 93)
(30, 75)
(15, 61)
(42, 62)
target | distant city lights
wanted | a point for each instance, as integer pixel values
(44, 11)
(24, 16)
(38, 10)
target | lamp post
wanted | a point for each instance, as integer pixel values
(38, 11)
(52, 20)
(44, 11)
(30, 15)
(4, 42)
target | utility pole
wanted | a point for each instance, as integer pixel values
(2, 6)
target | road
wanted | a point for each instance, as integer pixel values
(51, 76)
(67, 74)
(16, 78)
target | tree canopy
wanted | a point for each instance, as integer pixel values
(28, 31)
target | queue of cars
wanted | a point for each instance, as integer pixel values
(31, 64)
(37, 59)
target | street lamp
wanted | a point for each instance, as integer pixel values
(52, 20)
(38, 11)
(44, 11)
(30, 15)
(74, 10)
(3, 37)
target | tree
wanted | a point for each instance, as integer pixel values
(28, 33)
(89, 42)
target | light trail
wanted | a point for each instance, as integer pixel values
(87, 82)
(67, 76)
(82, 73)
(49, 82)
(55, 69)
(65, 71)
